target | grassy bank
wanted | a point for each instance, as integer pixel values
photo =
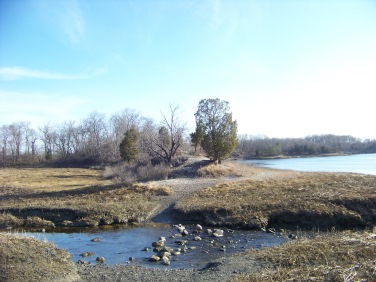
(46, 197)
(29, 259)
(341, 256)
(319, 200)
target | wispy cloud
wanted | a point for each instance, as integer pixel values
(15, 73)
(72, 21)
(67, 16)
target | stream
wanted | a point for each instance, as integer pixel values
(118, 244)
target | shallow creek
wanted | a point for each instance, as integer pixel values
(118, 244)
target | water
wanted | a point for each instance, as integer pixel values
(365, 163)
(117, 244)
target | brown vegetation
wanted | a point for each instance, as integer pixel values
(29, 259)
(340, 256)
(308, 200)
(69, 197)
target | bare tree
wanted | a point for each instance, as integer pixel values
(167, 139)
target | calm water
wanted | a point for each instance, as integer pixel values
(365, 163)
(118, 244)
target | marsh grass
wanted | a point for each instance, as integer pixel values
(338, 256)
(307, 199)
(68, 197)
(228, 168)
(28, 259)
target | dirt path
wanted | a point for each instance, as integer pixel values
(185, 182)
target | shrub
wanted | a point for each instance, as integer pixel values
(136, 171)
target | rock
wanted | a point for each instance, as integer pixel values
(218, 233)
(146, 249)
(86, 254)
(198, 227)
(184, 232)
(209, 231)
(164, 254)
(176, 253)
(83, 262)
(154, 258)
(197, 238)
(165, 261)
(131, 258)
(158, 244)
(192, 248)
(162, 239)
(157, 249)
(100, 259)
(292, 236)
(222, 249)
(180, 227)
(271, 230)
(181, 242)
(167, 249)
(96, 239)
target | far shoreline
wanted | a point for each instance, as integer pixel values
(278, 157)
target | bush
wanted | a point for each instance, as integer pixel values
(136, 171)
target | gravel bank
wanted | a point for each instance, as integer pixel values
(219, 270)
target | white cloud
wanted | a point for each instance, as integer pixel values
(15, 73)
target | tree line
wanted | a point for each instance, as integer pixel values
(126, 136)
(94, 139)
(262, 146)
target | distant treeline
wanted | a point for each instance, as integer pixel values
(256, 146)
(92, 140)
(96, 138)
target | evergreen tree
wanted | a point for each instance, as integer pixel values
(128, 146)
(214, 118)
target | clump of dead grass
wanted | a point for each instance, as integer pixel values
(28, 259)
(153, 188)
(308, 200)
(229, 169)
(339, 256)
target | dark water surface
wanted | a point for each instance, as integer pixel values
(364, 163)
(119, 243)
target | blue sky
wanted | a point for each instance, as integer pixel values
(287, 68)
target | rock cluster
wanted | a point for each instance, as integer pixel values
(183, 238)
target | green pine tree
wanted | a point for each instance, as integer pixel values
(214, 119)
(129, 145)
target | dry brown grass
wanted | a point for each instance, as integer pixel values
(228, 168)
(29, 259)
(67, 197)
(341, 256)
(307, 199)
(152, 188)
(35, 180)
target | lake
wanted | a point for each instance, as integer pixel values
(363, 163)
